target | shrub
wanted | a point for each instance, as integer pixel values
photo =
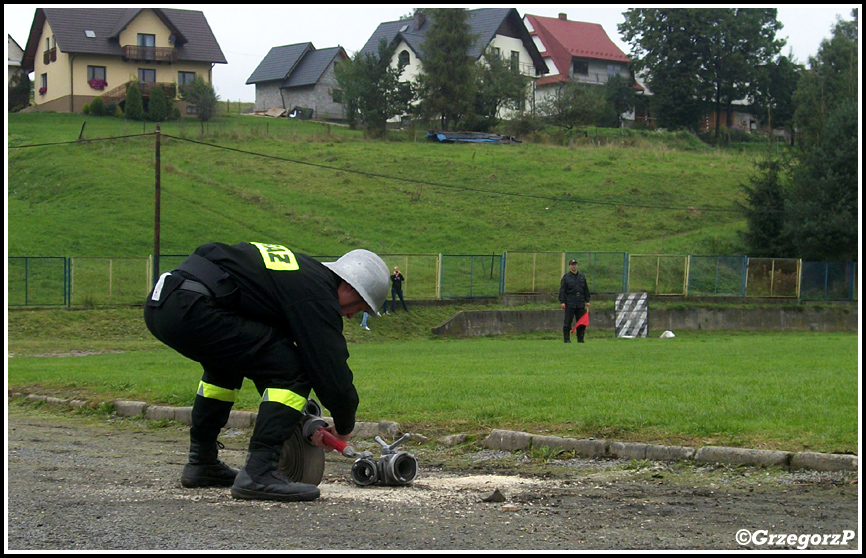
(134, 103)
(158, 109)
(97, 107)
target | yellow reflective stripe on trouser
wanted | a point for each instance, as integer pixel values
(215, 392)
(286, 397)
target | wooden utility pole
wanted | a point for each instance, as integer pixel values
(156, 214)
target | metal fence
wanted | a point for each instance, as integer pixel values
(83, 282)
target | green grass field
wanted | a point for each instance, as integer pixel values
(340, 191)
(790, 391)
(613, 192)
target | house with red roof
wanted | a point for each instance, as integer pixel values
(575, 51)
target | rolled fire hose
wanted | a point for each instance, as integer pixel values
(301, 461)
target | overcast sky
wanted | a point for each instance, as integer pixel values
(247, 32)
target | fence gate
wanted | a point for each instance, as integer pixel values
(632, 315)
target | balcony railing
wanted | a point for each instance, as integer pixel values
(150, 54)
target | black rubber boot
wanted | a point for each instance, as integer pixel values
(204, 469)
(566, 335)
(260, 479)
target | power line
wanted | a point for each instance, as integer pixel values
(80, 141)
(403, 179)
(462, 188)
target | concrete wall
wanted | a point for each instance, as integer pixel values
(494, 322)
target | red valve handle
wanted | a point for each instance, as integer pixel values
(332, 441)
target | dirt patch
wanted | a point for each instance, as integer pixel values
(87, 482)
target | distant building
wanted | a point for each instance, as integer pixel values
(300, 76)
(14, 56)
(79, 54)
(498, 28)
(576, 51)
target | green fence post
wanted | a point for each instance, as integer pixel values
(625, 260)
(502, 275)
(67, 281)
(439, 281)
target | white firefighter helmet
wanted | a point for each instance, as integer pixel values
(366, 273)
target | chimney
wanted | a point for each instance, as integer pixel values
(419, 18)
(563, 17)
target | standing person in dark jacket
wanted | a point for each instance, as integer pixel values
(263, 312)
(574, 298)
(397, 280)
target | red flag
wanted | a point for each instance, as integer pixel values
(583, 321)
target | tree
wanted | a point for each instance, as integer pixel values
(620, 99)
(202, 96)
(574, 106)
(348, 76)
(823, 203)
(372, 88)
(765, 210)
(699, 55)
(497, 86)
(446, 88)
(773, 93)
(741, 42)
(823, 207)
(134, 102)
(663, 41)
(158, 107)
(820, 215)
(18, 91)
(831, 80)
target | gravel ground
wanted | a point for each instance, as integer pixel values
(101, 483)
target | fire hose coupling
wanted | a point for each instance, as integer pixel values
(393, 468)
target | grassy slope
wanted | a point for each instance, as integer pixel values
(96, 199)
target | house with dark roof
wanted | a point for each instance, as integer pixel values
(14, 56)
(299, 76)
(78, 54)
(498, 28)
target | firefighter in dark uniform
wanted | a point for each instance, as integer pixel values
(263, 312)
(573, 298)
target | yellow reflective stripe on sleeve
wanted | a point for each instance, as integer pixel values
(277, 257)
(286, 397)
(215, 392)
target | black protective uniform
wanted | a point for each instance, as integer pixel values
(272, 316)
(574, 293)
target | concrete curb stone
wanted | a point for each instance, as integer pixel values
(508, 440)
(628, 450)
(741, 456)
(824, 461)
(159, 412)
(669, 453)
(130, 408)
